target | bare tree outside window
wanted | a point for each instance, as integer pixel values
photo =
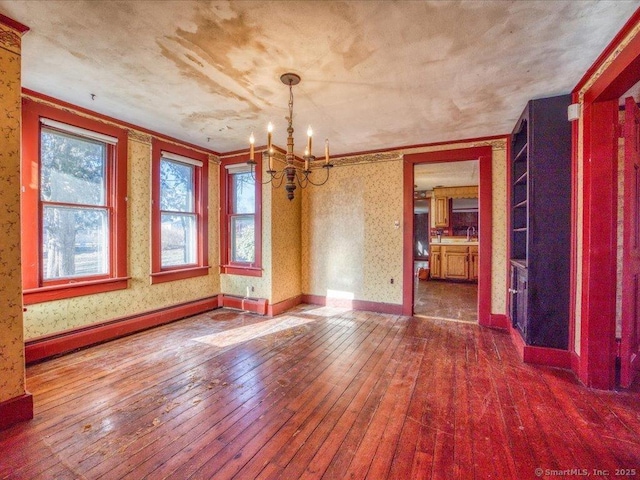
(242, 218)
(75, 216)
(178, 214)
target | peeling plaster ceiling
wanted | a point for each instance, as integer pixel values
(375, 74)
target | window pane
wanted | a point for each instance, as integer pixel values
(176, 186)
(243, 191)
(243, 239)
(73, 169)
(179, 241)
(75, 242)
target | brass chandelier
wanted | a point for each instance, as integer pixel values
(295, 172)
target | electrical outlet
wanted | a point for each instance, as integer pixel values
(392, 281)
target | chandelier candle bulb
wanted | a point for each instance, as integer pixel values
(252, 140)
(269, 134)
(326, 151)
(309, 136)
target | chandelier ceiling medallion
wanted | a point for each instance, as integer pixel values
(294, 171)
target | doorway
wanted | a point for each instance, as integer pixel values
(627, 309)
(484, 156)
(445, 233)
(594, 319)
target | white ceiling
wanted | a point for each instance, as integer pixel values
(375, 74)
(445, 174)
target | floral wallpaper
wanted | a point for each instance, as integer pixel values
(286, 245)
(499, 215)
(141, 296)
(12, 380)
(351, 247)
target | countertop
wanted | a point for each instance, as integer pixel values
(453, 241)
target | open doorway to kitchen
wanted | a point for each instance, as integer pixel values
(445, 246)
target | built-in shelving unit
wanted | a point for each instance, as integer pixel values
(540, 164)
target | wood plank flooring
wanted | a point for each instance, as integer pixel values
(315, 393)
(442, 299)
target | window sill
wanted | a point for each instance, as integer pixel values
(70, 290)
(179, 274)
(241, 270)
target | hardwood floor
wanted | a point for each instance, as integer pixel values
(315, 393)
(441, 299)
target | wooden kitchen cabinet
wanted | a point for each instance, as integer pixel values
(441, 211)
(455, 262)
(473, 262)
(434, 262)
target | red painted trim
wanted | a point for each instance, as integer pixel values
(255, 269)
(599, 245)
(550, 357)
(283, 306)
(360, 305)
(596, 363)
(56, 292)
(160, 274)
(30, 177)
(575, 362)
(86, 111)
(16, 410)
(485, 240)
(626, 29)
(236, 270)
(245, 151)
(500, 321)
(621, 73)
(14, 24)
(63, 342)
(423, 145)
(484, 156)
(253, 305)
(407, 237)
(181, 274)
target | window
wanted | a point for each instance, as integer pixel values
(73, 210)
(241, 225)
(242, 217)
(73, 196)
(179, 232)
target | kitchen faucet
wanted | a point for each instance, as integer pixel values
(471, 229)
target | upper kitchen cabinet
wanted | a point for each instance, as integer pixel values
(441, 211)
(442, 197)
(540, 166)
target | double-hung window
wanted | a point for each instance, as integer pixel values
(74, 212)
(241, 245)
(73, 197)
(179, 213)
